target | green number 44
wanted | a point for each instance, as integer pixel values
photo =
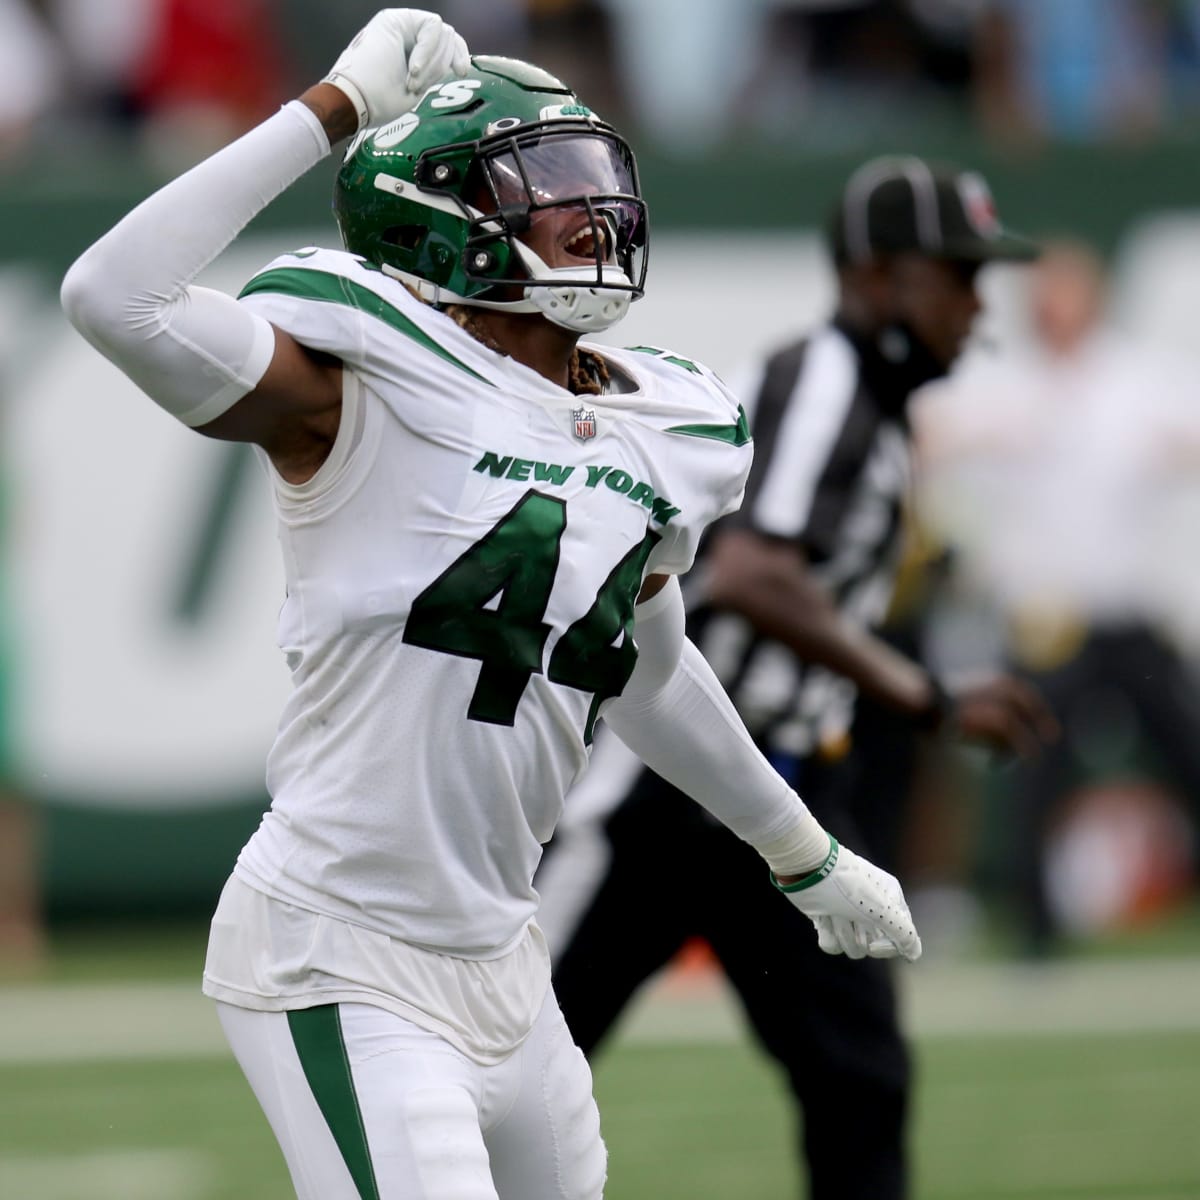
(490, 602)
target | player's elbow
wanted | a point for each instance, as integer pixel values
(108, 308)
(88, 303)
(76, 292)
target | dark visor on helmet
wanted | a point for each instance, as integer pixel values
(552, 168)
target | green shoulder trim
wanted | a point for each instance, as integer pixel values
(685, 363)
(309, 284)
(737, 434)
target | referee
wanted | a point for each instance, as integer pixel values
(792, 586)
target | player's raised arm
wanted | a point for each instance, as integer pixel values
(206, 359)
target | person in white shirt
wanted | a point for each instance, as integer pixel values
(1063, 477)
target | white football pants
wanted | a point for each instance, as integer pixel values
(368, 1106)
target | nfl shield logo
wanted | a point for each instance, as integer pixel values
(585, 423)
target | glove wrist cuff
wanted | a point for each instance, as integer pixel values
(814, 877)
(352, 93)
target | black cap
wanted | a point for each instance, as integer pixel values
(897, 204)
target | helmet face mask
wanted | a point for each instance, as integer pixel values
(555, 168)
(465, 198)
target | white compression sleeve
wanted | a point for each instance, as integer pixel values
(194, 350)
(675, 716)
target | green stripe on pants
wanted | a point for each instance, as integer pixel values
(317, 1034)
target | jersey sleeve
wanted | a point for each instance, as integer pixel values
(339, 304)
(706, 437)
(308, 295)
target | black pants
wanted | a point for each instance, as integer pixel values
(830, 1022)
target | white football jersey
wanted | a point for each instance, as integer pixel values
(461, 575)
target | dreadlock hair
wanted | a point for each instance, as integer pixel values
(588, 371)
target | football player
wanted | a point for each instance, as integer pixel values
(482, 520)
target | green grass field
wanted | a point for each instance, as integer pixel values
(1044, 1116)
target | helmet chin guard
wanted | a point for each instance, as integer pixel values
(581, 307)
(588, 304)
(585, 306)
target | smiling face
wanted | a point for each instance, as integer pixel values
(571, 235)
(571, 199)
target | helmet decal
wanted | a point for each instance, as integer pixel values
(354, 143)
(393, 134)
(455, 94)
(562, 112)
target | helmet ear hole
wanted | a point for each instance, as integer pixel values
(406, 237)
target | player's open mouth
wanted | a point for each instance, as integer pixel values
(582, 243)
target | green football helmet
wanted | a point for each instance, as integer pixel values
(441, 197)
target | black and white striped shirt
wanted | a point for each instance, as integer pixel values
(832, 468)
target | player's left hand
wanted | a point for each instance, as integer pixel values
(858, 909)
(393, 59)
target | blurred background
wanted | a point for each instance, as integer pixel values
(1054, 530)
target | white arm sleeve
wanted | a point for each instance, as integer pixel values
(195, 351)
(675, 716)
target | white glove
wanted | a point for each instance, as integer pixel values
(858, 909)
(393, 59)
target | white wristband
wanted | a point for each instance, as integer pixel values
(801, 849)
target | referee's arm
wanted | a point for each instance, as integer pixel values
(768, 582)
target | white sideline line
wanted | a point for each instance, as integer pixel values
(1133, 996)
(955, 1000)
(104, 1021)
(108, 1175)
(97, 1022)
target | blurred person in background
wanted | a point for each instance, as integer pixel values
(210, 69)
(101, 46)
(1073, 70)
(693, 84)
(428, 415)
(1065, 482)
(784, 604)
(855, 70)
(31, 64)
(184, 75)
